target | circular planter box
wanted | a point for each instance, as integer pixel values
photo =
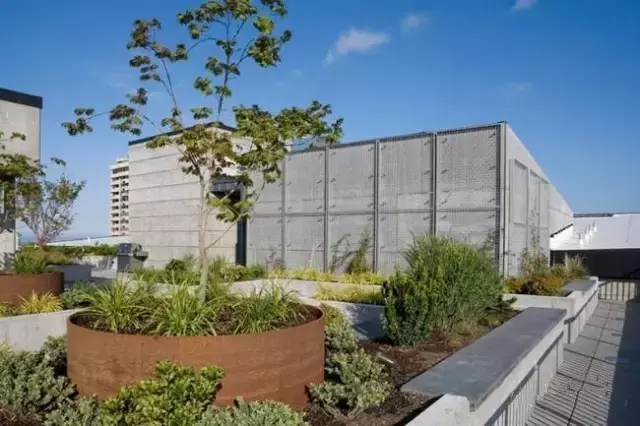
(276, 365)
(13, 287)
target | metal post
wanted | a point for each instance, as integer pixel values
(376, 205)
(434, 184)
(325, 260)
(283, 213)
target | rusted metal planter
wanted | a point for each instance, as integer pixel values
(13, 287)
(276, 365)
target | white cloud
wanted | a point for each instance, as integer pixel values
(524, 4)
(516, 89)
(413, 20)
(354, 41)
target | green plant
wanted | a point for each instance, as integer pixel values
(26, 262)
(184, 314)
(256, 271)
(6, 310)
(445, 284)
(513, 285)
(78, 412)
(332, 314)
(264, 413)
(574, 267)
(543, 286)
(29, 384)
(352, 294)
(175, 396)
(339, 337)
(358, 264)
(363, 278)
(356, 382)
(267, 309)
(39, 303)
(308, 274)
(76, 296)
(119, 308)
(533, 264)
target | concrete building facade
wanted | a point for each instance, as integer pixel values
(164, 208)
(478, 184)
(119, 197)
(20, 113)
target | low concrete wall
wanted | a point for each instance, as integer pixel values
(99, 262)
(29, 332)
(302, 287)
(500, 386)
(73, 273)
(365, 319)
(580, 302)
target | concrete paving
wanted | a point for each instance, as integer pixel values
(599, 381)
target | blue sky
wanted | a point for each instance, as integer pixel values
(564, 73)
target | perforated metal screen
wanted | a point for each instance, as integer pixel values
(392, 189)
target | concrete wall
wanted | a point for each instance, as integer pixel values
(534, 209)
(163, 208)
(18, 113)
(29, 332)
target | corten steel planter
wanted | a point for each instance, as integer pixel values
(13, 287)
(275, 365)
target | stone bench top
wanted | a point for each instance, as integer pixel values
(478, 369)
(581, 285)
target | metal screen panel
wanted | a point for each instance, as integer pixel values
(351, 178)
(544, 204)
(405, 174)
(265, 241)
(345, 232)
(397, 230)
(518, 244)
(270, 197)
(467, 169)
(519, 193)
(475, 228)
(304, 242)
(534, 199)
(304, 179)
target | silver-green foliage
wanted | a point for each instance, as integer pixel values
(339, 337)
(75, 297)
(80, 412)
(356, 381)
(29, 384)
(445, 284)
(265, 413)
(175, 396)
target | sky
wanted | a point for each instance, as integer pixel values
(564, 73)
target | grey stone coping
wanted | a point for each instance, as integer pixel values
(477, 370)
(581, 285)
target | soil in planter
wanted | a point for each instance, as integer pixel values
(8, 417)
(403, 364)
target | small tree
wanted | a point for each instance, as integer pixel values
(47, 206)
(235, 31)
(17, 174)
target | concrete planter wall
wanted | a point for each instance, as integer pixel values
(99, 262)
(365, 319)
(484, 386)
(14, 287)
(72, 273)
(276, 365)
(579, 303)
(302, 287)
(29, 332)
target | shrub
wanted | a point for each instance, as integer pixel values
(256, 271)
(76, 296)
(513, 284)
(339, 337)
(309, 274)
(265, 413)
(333, 315)
(574, 268)
(26, 262)
(363, 278)
(352, 294)
(356, 382)
(175, 396)
(80, 412)
(446, 283)
(39, 303)
(543, 286)
(28, 381)
(533, 264)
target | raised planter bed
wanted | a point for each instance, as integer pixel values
(276, 365)
(579, 302)
(29, 332)
(75, 272)
(301, 287)
(98, 262)
(365, 319)
(14, 287)
(481, 384)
